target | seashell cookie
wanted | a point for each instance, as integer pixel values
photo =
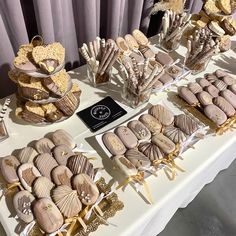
(61, 153)
(87, 190)
(42, 187)
(8, 166)
(47, 215)
(125, 165)
(126, 136)
(60, 137)
(45, 164)
(113, 143)
(22, 202)
(66, 200)
(80, 164)
(224, 105)
(186, 124)
(139, 129)
(137, 158)
(61, 175)
(150, 150)
(44, 145)
(28, 173)
(162, 114)
(67, 104)
(164, 143)
(151, 123)
(27, 155)
(58, 83)
(174, 134)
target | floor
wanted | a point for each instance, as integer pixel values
(211, 213)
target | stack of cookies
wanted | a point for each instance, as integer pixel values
(216, 15)
(45, 92)
(56, 185)
(214, 95)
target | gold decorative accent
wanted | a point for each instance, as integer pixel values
(109, 206)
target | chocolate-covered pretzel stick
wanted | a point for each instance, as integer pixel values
(116, 54)
(109, 60)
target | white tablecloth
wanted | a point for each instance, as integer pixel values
(202, 164)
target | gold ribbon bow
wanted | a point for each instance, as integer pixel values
(139, 177)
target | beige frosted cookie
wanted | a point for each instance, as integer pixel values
(34, 108)
(54, 51)
(211, 7)
(225, 6)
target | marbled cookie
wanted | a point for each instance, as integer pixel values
(174, 134)
(195, 87)
(186, 124)
(61, 153)
(203, 82)
(60, 136)
(151, 123)
(28, 173)
(44, 145)
(42, 187)
(215, 114)
(137, 158)
(212, 90)
(125, 166)
(27, 155)
(150, 150)
(141, 131)
(67, 201)
(187, 95)
(164, 143)
(9, 165)
(113, 143)
(229, 96)
(221, 85)
(61, 175)
(45, 164)
(22, 202)
(204, 98)
(47, 215)
(224, 105)
(87, 190)
(126, 136)
(162, 114)
(80, 164)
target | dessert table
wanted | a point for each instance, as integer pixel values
(201, 164)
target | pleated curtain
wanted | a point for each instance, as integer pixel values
(70, 22)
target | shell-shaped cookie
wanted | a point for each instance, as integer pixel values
(224, 105)
(9, 165)
(66, 200)
(87, 190)
(60, 136)
(47, 215)
(140, 130)
(44, 145)
(151, 123)
(42, 187)
(125, 166)
(45, 164)
(126, 136)
(61, 175)
(195, 87)
(221, 85)
(150, 150)
(61, 153)
(174, 134)
(186, 124)
(27, 155)
(138, 159)
(80, 164)
(22, 202)
(113, 143)
(28, 173)
(162, 114)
